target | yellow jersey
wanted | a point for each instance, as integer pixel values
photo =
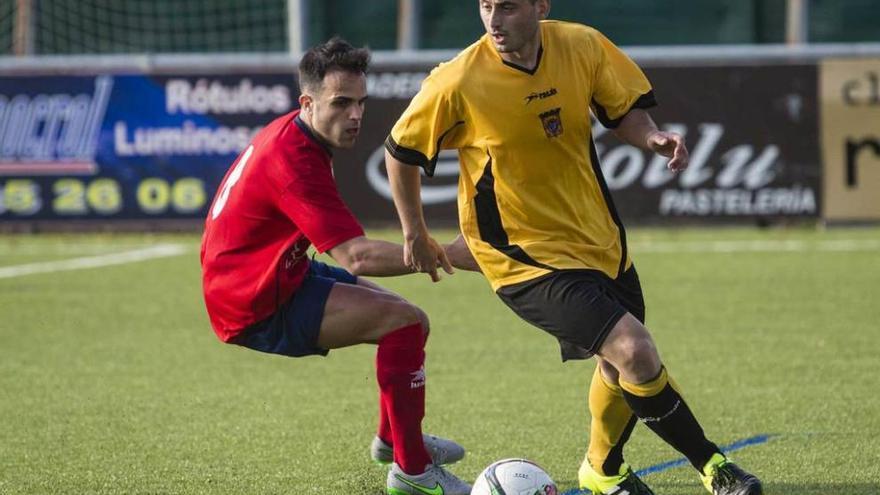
(531, 195)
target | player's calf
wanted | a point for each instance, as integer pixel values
(400, 372)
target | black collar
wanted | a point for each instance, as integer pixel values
(311, 135)
(530, 72)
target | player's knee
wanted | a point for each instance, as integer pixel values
(639, 349)
(423, 320)
(400, 313)
(609, 371)
(639, 358)
(632, 351)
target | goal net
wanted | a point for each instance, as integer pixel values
(150, 26)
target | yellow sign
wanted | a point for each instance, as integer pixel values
(24, 198)
(850, 99)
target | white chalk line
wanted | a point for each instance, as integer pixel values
(770, 246)
(66, 248)
(167, 250)
(134, 256)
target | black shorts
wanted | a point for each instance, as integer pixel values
(578, 307)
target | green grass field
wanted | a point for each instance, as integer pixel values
(111, 380)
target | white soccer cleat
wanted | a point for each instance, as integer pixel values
(441, 450)
(434, 481)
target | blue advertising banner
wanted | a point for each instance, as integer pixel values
(127, 146)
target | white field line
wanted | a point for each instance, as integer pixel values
(841, 245)
(160, 251)
(167, 250)
(66, 248)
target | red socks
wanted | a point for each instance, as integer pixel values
(384, 422)
(400, 372)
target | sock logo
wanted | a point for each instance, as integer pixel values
(661, 418)
(418, 378)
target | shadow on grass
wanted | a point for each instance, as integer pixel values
(770, 488)
(821, 488)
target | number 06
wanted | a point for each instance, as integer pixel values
(230, 181)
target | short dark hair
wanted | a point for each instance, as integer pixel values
(335, 54)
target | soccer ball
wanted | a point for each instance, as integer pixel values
(514, 477)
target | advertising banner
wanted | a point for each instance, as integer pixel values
(850, 97)
(753, 138)
(752, 134)
(126, 146)
(156, 146)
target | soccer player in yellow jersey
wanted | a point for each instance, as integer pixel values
(538, 220)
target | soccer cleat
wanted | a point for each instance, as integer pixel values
(722, 477)
(625, 483)
(434, 481)
(442, 451)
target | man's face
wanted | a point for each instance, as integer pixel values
(335, 113)
(511, 23)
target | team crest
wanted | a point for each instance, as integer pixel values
(552, 122)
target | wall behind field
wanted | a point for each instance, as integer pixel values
(199, 26)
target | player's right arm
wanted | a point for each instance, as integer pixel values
(429, 123)
(420, 251)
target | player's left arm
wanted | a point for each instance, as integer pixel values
(638, 129)
(311, 200)
(621, 94)
(372, 257)
(428, 124)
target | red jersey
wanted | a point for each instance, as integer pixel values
(277, 199)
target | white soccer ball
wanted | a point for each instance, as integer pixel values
(514, 477)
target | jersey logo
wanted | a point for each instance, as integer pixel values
(552, 122)
(298, 251)
(540, 95)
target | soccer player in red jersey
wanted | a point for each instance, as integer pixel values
(263, 292)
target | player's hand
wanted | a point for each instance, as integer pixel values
(423, 254)
(442, 260)
(670, 145)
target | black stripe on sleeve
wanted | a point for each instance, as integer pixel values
(406, 155)
(415, 157)
(647, 100)
(609, 201)
(489, 221)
